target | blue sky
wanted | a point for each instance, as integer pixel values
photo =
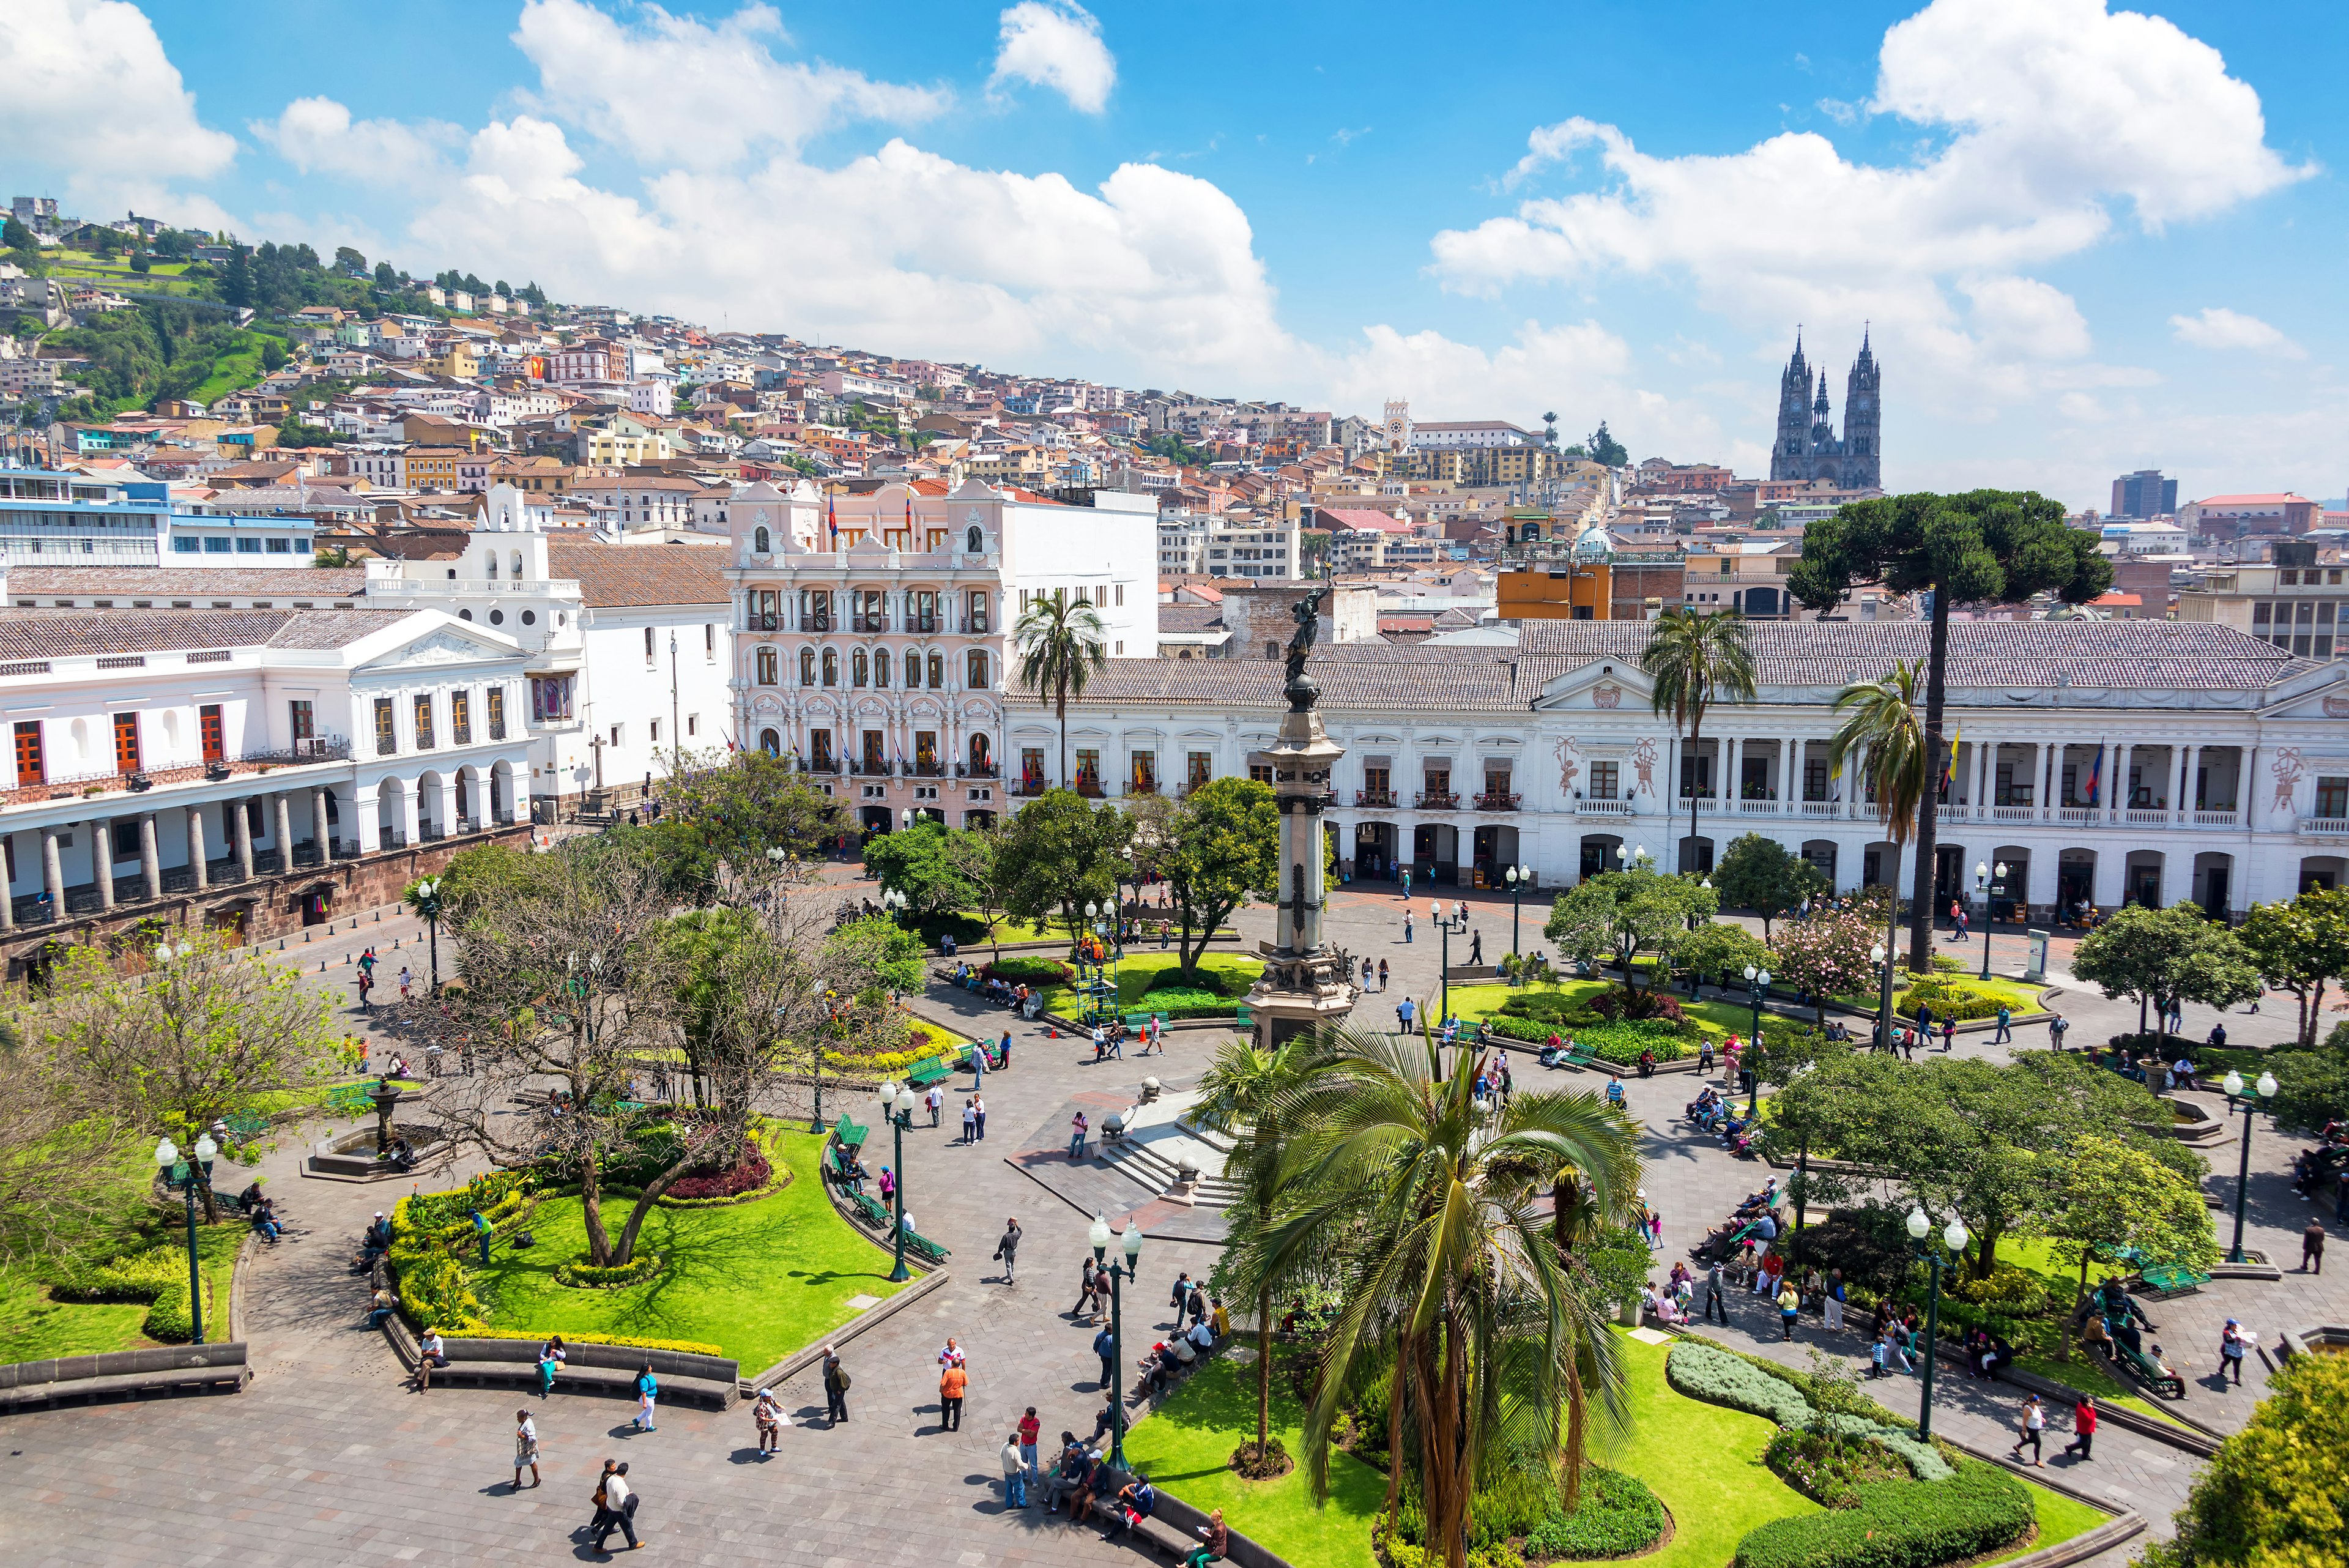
(2088, 240)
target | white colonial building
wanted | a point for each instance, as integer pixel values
(190, 756)
(874, 646)
(2097, 761)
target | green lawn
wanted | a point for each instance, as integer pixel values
(1474, 1003)
(2060, 1519)
(761, 1278)
(32, 1327)
(1137, 970)
(1185, 1447)
(231, 373)
(1703, 1460)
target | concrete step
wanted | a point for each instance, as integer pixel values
(1153, 1171)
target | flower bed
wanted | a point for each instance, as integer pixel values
(1043, 971)
(1900, 1524)
(1617, 1517)
(748, 1172)
(1619, 1044)
(583, 1275)
(1827, 1467)
(1950, 997)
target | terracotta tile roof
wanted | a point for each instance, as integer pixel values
(1189, 617)
(187, 582)
(613, 575)
(1360, 520)
(64, 634)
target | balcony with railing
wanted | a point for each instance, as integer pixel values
(2325, 826)
(1090, 788)
(1705, 804)
(925, 770)
(872, 769)
(1437, 800)
(323, 749)
(1498, 800)
(1378, 799)
(1822, 807)
(1602, 808)
(1028, 788)
(977, 770)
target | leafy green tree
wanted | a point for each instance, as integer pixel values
(1604, 448)
(2161, 956)
(1882, 727)
(1428, 1212)
(16, 236)
(350, 261)
(1060, 642)
(1763, 874)
(1240, 1098)
(879, 948)
(1696, 659)
(2110, 1195)
(1616, 916)
(2276, 1494)
(2300, 947)
(1223, 848)
(921, 864)
(1060, 853)
(731, 807)
(1827, 956)
(64, 1143)
(273, 354)
(1986, 545)
(236, 278)
(1721, 950)
(384, 276)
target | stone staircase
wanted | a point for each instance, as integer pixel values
(1159, 1141)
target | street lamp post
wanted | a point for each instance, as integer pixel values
(199, 1173)
(2234, 1088)
(1519, 877)
(428, 904)
(1130, 1245)
(1955, 1237)
(1444, 926)
(897, 1105)
(1757, 986)
(1982, 875)
(1882, 959)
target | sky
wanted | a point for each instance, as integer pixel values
(2084, 240)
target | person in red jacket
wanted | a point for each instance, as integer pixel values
(2084, 1427)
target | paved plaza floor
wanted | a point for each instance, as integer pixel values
(328, 1457)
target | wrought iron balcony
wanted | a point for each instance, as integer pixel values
(1497, 800)
(1384, 799)
(1438, 800)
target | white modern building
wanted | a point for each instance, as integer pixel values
(60, 518)
(2097, 761)
(1199, 545)
(875, 644)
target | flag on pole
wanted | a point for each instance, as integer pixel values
(2097, 778)
(831, 516)
(1951, 776)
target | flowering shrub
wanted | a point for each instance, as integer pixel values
(1900, 1524)
(748, 1172)
(1827, 1467)
(1045, 972)
(580, 1274)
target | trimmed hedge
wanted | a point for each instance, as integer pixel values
(1720, 1377)
(748, 1173)
(683, 1346)
(1619, 1516)
(582, 1275)
(1043, 971)
(1900, 1524)
(158, 1277)
(1950, 996)
(1619, 1044)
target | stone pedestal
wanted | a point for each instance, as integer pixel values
(1307, 982)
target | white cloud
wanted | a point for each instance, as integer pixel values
(1057, 45)
(676, 89)
(318, 135)
(2216, 327)
(87, 86)
(2051, 112)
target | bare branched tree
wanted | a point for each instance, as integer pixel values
(64, 1147)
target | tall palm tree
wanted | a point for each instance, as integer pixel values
(1060, 642)
(1697, 657)
(1882, 723)
(1428, 1207)
(1239, 1098)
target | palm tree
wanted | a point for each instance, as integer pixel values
(1882, 723)
(1428, 1208)
(1239, 1098)
(1696, 659)
(1061, 641)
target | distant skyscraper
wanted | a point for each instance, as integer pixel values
(1806, 445)
(2144, 494)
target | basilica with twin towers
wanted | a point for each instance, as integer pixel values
(1807, 447)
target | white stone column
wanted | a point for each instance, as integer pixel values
(8, 901)
(412, 797)
(2185, 803)
(369, 828)
(319, 830)
(196, 848)
(283, 820)
(151, 857)
(53, 873)
(240, 817)
(102, 860)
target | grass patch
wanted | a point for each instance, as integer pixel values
(761, 1278)
(1474, 1003)
(232, 372)
(1140, 972)
(2059, 1519)
(1703, 1460)
(1186, 1446)
(33, 1326)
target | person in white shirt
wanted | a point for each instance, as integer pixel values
(619, 1510)
(430, 1352)
(1202, 1336)
(525, 1447)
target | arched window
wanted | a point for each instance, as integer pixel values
(859, 668)
(912, 670)
(761, 543)
(974, 540)
(770, 742)
(807, 666)
(975, 670)
(769, 672)
(517, 566)
(831, 667)
(881, 668)
(938, 671)
(981, 754)
(493, 566)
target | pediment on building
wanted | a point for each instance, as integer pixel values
(445, 646)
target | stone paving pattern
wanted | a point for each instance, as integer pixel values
(328, 1457)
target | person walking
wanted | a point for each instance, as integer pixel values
(1015, 1474)
(1835, 1299)
(1382, 974)
(1406, 922)
(1406, 893)
(1712, 1296)
(2035, 1422)
(1078, 1128)
(2084, 1428)
(2005, 1020)
(1403, 1013)
(1089, 1292)
(835, 1387)
(1007, 1248)
(970, 1121)
(979, 1115)
(1476, 950)
(2057, 1027)
(525, 1449)
(648, 1394)
(953, 1380)
(1949, 1032)
(936, 1099)
(619, 1510)
(2311, 1248)
(767, 1416)
(1003, 1052)
(1106, 1348)
(1790, 1306)
(406, 979)
(2233, 1342)
(1030, 1429)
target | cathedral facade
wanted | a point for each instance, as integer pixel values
(1807, 446)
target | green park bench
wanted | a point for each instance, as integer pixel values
(835, 1166)
(2167, 1280)
(1244, 1016)
(1136, 1022)
(246, 1125)
(934, 1071)
(1577, 1055)
(922, 1247)
(873, 1210)
(2149, 1371)
(848, 1134)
